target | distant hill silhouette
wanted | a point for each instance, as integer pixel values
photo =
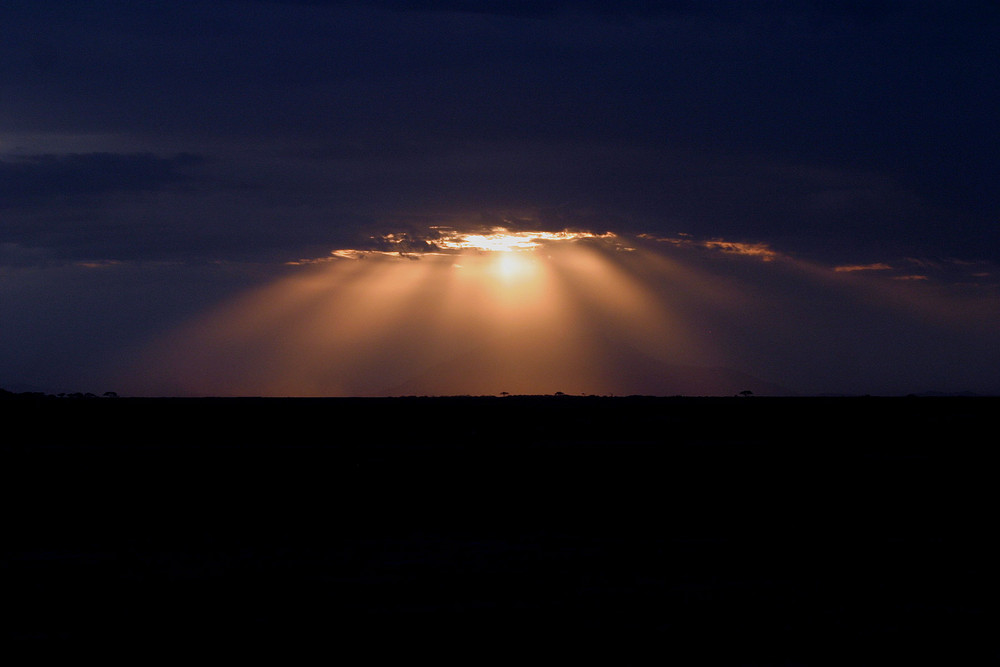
(620, 370)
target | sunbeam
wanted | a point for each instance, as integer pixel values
(543, 312)
(524, 313)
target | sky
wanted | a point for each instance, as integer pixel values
(248, 197)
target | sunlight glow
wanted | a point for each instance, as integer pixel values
(516, 312)
(500, 239)
(444, 312)
(510, 267)
(498, 242)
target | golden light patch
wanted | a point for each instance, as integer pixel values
(514, 266)
(500, 239)
(519, 313)
(879, 266)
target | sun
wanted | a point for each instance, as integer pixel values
(514, 266)
(501, 239)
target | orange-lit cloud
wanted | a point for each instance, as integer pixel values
(760, 250)
(878, 266)
(502, 239)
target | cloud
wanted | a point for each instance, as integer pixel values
(759, 250)
(878, 266)
(96, 206)
(811, 125)
(39, 179)
(525, 8)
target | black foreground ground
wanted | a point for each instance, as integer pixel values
(652, 530)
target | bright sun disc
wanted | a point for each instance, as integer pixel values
(514, 266)
(501, 239)
(499, 242)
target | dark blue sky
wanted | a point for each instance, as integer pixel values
(164, 140)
